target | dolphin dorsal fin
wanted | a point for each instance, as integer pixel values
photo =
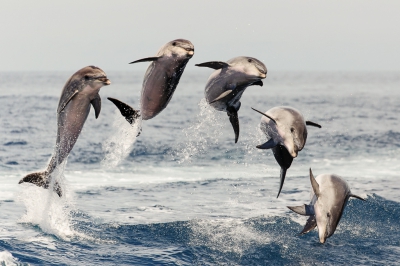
(213, 64)
(314, 184)
(309, 123)
(264, 115)
(147, 59)
(223, 95)
(357, 197)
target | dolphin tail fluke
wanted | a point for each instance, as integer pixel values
(357, 197)
(283, 175)
(310, 225)
(128, 112)
(41, 179)
(234, 119)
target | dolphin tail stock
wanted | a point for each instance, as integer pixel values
(357, 197)
(41, 179)
(283, 175)
(128, 112)
(234, 119)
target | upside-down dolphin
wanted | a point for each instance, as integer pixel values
(160, 81)
(80, 91)
(288, 134)
(227, 83)
(331, 193)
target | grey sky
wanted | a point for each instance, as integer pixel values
(286, 35)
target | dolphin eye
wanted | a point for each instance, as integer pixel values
(328, 215)
(174, 43)
(292, 130)
(249, 60)
(87, 77)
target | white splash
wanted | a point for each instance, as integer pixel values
(6, 258)
(46, 209)
(202, 134)
(120, 144)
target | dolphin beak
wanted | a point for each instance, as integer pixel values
(191, 52)
(263, 76)
(105, 81)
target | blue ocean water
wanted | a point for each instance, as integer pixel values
(183, 193)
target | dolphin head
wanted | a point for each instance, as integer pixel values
(90, 75)
(251, 66)
(178, 48)
(289, 130)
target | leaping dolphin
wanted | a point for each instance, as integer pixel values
(227, 83)
(331, 193)
(160, 81)
(288, 134)
(80, 91)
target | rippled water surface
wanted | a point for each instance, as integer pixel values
(183, 193)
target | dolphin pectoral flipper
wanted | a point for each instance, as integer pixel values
(128, 112)
(234, 119)
(357, 197)
(310, 225)
(309, 123)
(223, 95)
(66, 100)
(307, 210)
(259, 83)
(283, 175)
(267, 145)
(148, 59)
(96, 102)
(213, 64)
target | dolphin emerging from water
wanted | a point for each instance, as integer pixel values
(227, 83)
(80, 91)
(288, 134)
(160, 81)
(331, 193)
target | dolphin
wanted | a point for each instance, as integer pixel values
(160, 81)
(227, 83)
(288, 134)
(80, 91)
(328, 200)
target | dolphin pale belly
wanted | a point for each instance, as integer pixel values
(79, 93)
(329, 198)
(286, 128)
(160, 80)
(227, 83)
